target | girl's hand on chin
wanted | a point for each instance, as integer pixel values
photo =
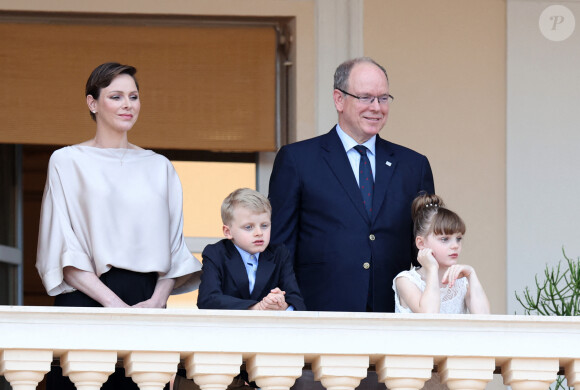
(426, 259)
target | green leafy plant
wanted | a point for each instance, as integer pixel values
(557, 295)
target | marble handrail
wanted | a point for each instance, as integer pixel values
(529, 351)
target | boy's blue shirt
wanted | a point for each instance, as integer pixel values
(251, 265)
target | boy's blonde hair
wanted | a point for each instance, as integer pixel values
(244, 197)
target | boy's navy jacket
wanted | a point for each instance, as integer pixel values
(224, 281)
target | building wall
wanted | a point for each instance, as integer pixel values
(446, 62)
(543, 141)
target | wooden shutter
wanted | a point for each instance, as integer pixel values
(201, 87)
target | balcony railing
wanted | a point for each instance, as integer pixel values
(466, 350)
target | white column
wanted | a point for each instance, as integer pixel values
(151, 370)
(213, 370)
(572, 371)
(24, 368)
(88, 370)
(530, 373)
(274, 371)
(404, 372)
(340, 372)
(472, 373)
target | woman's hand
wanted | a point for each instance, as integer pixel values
(91, 285)
(160, 296)
(151, 304)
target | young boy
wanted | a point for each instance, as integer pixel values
(243, 271)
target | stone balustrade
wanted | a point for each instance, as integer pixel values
(340, 348)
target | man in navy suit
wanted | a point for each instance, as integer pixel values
(345, 252)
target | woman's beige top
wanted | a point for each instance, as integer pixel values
(106, 208)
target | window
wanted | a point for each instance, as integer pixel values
(205, 185)
(10, 215)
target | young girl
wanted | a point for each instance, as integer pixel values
(440, 285)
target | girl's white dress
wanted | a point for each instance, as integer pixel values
(452, 302)
(452, 299)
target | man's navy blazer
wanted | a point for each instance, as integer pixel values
(318, 213)
(224, 281)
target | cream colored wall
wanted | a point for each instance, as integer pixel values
(542, 143)
(205, 185)
(446, 62)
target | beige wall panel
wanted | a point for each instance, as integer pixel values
(542, 142)
(205, 186)
(447, 63)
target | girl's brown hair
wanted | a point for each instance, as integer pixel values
(430, 216)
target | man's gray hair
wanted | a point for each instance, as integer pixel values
(342, 73)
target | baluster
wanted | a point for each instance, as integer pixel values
(530, 373)
(213, 371)
(24, 368)
(88, 370)
(404, 372)
(275, 371)
(340, 372)
(151, 370)
(572, 371)
(466, 373)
